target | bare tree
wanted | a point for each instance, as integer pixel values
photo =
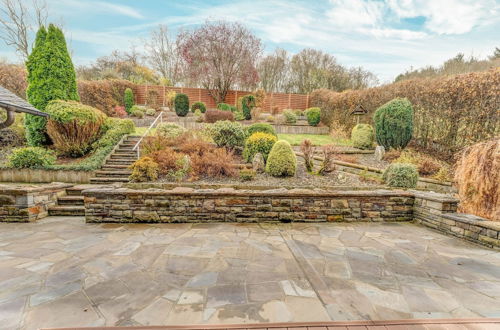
(163, 56)
(17, 21)
(273, 71)
(220, 55)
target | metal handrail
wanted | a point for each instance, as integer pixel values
(137, 147)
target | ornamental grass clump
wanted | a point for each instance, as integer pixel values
(281, 160)
(362, 136)
(31, 157)
(477, 176)
(73, 127)
(394, 124)
(401, 175)
(258, 142)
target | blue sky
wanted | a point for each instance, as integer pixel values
(386, 37)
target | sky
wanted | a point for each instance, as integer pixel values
(386, 37)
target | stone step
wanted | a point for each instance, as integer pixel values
(109, 180)
(110, 167)
(112, 173)
(125, 148)
(70, 200)
(74, 191)
(67, 210)
(132, 157)
(119, 162)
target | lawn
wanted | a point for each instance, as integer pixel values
(141, 130)
(318, 140)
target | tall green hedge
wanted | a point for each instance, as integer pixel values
(394, 123)
(51, 76)
(181, 104)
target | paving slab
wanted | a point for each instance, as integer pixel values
(62, 272)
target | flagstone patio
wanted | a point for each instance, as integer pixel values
(62, 272)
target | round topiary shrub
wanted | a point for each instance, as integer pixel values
(31, 157)
(313, 116)
(258, 142)
(394, 124)
(362, 136)
(128, 100)
(227, 133)
(401, 175)
(73, 126)
(170, 130)
(199, 106)
(150, 112)
(290, 116)
(144, 169)
(181, 104)
(261, 127)
(281, 160)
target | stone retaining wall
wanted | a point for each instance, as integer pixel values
(208, 205)
(29, 175)
(28, 203)
(439, 212)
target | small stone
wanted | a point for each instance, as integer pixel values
(379, 153)
(258, 163)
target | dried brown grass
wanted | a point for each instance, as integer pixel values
(477, 176)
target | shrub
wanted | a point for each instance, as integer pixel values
(270, 119)
(261, 127)
(327, 165)
(298, 112)
(275, 110)
(227, 134)
(260, 97)
(144, 169)
(290, 117)
(212, 116)
(120, 112)
(31, 157)
(362, 136)
(394, 124)
(239, 116)
(258, 142)
(281, 160)
(217, 162)
(401, 175)
(167, 160)
(477, 176)
(138, 113)
(128, 100)
(170, 98)
(73, 127)
(313, 116)
(181, 104)
(247, 174)
(13, 78)
(170, 130)
(226, 107)
(104, 95)
(199, 106)
(307, 149)
(150, 112)
(255, 113)
(247, 104)
(425, 164)
(154, 143)
(51, 76)
(152, 100)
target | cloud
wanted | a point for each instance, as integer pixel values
(355, 13)
(77, 7)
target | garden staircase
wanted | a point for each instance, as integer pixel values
(116, 167)
(71, 204)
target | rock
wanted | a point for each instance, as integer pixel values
(379, 153)
(258, 163)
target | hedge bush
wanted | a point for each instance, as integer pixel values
(73, 127)
(313, 116)
(247, 104)
(258, 142)
(181, 104)
(401, 175)
(144, 169)
(290, 116)
(212, 116)
(31, 157)
(362, 136)
(281, 160)
(227, 134)
(104, 95)
(128, 100)
(170, 130)
(199, 106)
(261, 127)
(394, 124)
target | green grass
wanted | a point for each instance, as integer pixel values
(141, 130)
(316, 139)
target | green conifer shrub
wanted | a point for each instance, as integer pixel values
(247, 104)
(258, 142)
(199, 106)
(281, 160)
(394, 124)
(401, 175)
(261, 127)
(362, 136)
(181, 104)
(128, 100)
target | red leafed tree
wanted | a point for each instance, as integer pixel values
(219, 56)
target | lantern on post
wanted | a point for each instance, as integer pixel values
(358, 111)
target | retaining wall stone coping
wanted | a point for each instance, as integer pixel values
(24, 189)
